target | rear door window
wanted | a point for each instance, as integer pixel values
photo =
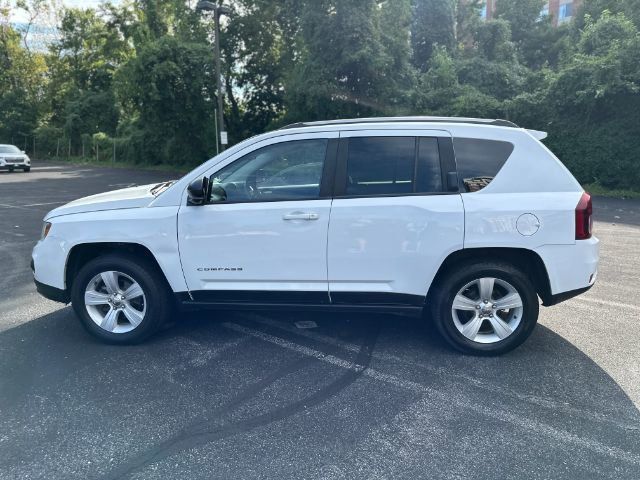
(479, 161)
(392, 166)
(381, 165)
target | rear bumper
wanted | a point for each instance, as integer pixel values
(564, 296)
(572, 269)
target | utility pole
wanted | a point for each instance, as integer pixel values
(218, 11)
(215, 120)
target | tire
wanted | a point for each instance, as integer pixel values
(150, 310)
(11, 169)
(494, 331)
(26, 169)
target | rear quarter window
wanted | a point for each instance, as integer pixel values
(479, 161)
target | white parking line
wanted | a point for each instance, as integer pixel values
(25, 207)
(43, 204)
(609, 303)
(4, 205)
(445, 372)
(519, 421)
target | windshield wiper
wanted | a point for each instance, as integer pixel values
(161, 187)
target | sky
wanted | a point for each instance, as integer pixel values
(19, 16)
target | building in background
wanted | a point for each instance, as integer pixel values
(561, 11)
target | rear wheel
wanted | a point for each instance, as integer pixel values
(485, 308)
(120, 299)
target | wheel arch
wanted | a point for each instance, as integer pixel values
(82, 253)
(527, 260)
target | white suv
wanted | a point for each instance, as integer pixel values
(466, 220)
(11, 157)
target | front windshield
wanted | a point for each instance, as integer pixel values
(9, 149)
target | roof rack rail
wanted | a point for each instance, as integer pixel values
(351, 121)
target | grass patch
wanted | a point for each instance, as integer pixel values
(599, 190)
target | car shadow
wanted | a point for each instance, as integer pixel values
(76, 408)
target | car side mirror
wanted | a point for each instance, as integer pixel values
(217, 193)
(198, 191)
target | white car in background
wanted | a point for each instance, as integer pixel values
(11, 157)
(468, 221)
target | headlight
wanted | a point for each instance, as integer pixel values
(45, 230)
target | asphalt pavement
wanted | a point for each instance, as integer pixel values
(250, 395)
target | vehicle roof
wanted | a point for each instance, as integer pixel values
(417, 119)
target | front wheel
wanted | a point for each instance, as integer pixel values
(26, 169)
(120, 299)
(485, 308)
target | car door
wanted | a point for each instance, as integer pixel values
(394, 217)
(262, 235)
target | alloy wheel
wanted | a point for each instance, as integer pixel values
(115, 302)
(487, 310)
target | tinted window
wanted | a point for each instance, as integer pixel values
(9, 149)
(381, 165)
(479, 161)
(428, 172)
(284, 171)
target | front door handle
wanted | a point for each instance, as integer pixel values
(301, 216)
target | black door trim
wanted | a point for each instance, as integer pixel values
(448, 164)
(377, 298)
(239, 297)
(301, 300)
(329, 169)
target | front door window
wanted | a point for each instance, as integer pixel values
(280, 172)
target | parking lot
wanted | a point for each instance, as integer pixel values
(251, 395)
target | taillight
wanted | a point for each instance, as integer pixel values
(584, 221)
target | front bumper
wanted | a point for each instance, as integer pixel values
(52, 293)
(9, 166)
(47, 291)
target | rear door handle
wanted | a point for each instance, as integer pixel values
(301, 216)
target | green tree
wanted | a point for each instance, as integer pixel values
(589, 103)
(440, 92)
(346, 67)
(492, 66)
(83, 63)
(523, 17)
(22, 77)
(260, 47)
(538, 42)
(434, 23)
(168, 89)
